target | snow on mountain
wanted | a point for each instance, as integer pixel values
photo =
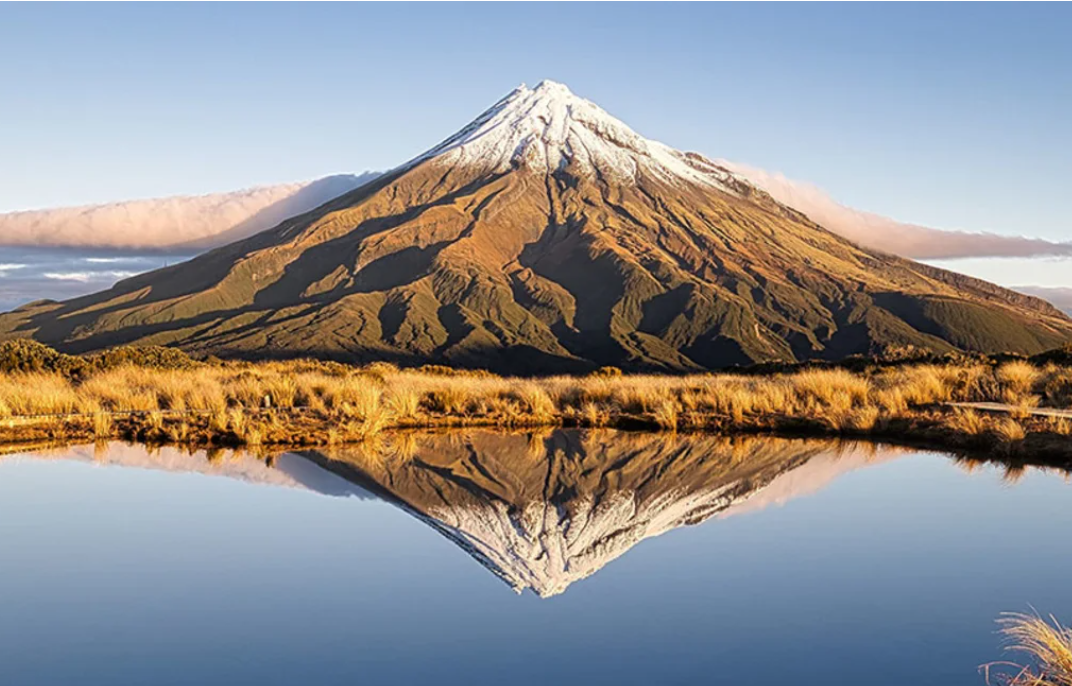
(546, 549)
(187, 222)
(547, 128)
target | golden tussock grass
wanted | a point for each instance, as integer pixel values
(1047, 645)
(305, 402)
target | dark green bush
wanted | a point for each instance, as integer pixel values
(153, 356)
(30, 356)
(1061, 356)
(608, 372)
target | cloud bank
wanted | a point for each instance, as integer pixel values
(888, 235)
(197, 222)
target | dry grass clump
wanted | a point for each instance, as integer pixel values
(968, 422)
(102, 425)
(666, 416)
(1009, 430)
(1047, 644)
(1017, 377)
(1061, 426)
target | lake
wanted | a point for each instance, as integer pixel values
(557, 557)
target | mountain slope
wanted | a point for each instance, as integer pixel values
(547, 236)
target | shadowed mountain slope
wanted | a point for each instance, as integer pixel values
(548, 236)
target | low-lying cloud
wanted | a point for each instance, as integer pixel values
(202, 221)
(888, 235)
(88, 276)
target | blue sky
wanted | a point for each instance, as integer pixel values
(953, 116)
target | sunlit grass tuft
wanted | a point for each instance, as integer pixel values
(1048, 646)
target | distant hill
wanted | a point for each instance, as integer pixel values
(548, 236)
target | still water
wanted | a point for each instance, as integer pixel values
(481, 558)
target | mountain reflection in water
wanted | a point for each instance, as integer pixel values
(541, 511)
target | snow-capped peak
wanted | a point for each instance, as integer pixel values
(548, 128)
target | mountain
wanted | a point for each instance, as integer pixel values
(1059, 297)
(174, 223)
(548, 236)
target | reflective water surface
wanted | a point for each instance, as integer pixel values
(482, 558)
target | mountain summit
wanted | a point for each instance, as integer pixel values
(544, 236)
(548, 129)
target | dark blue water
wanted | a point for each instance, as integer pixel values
(130, 569)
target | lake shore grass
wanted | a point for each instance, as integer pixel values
(1046, 644)
(163, 396)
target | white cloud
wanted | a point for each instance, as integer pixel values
(888, 235)
(10, 267)
(183, 221)
(86, 277)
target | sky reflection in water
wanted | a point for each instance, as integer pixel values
(878, 568)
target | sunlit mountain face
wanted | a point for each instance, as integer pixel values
(547, 236)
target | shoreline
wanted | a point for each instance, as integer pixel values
(296, 429)
(997, 407)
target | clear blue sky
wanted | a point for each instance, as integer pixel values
(955, 116)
